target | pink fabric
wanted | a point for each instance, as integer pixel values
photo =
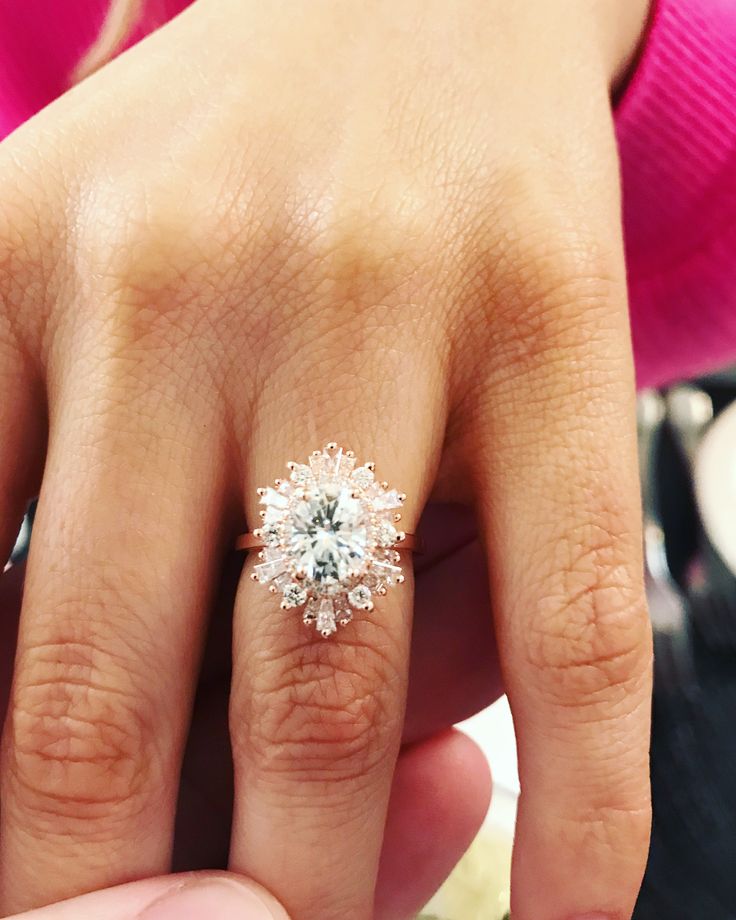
(676, 129)
(41, 42)
(677, 139)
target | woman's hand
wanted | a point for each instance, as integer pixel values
(413, 865)
(184, 897)
(391, 225)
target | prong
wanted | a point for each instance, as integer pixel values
(278, 482)
(260, 555)
(400, 579)
(331, 445)
(316, 453)
(291, 465)
(258, 532)
(402, 497)
(370, 465)
(254, 577)
(283, 605)
(273, 589)
(382, 591)
(400, 536)
(350, 454)
(355, 494)
(368, 607)
(384, 484)
(262, 514)
(261, 491)
(397, 517)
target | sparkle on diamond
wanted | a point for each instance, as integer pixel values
(329, 535)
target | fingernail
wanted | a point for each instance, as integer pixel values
(218, 899)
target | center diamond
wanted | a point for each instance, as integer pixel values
(329, 535)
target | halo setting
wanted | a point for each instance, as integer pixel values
(329, 538)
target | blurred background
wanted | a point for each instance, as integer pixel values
(687, 443)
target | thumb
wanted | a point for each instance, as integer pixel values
(216, 896)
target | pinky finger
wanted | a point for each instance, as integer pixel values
(439, 798)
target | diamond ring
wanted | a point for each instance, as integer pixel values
(328, 542)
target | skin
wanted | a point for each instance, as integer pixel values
(396, 228)
(222, 897)
(424, 837)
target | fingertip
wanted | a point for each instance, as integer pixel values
(218, 897)
(452, 769)
(439, 799)
(191, 896)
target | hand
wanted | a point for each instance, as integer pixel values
(412, 865)
(218, 897)
(397, 229)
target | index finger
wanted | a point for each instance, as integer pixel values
(559, 500)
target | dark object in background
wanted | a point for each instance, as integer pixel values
(691, 874)
(20, 550)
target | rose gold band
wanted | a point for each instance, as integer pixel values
(248, 541)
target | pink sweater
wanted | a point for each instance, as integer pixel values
(676, 126)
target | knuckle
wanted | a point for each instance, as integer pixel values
(320, 713)
(376, 248)
(158, 264)
(149, 276)
(590, 635)
(566, 286)
(200, 261)
(80, 734)
(532, 285)
(563, 258)
(555, 246)
(606, 829)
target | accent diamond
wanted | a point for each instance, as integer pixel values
(271, 534)
(389, 574)
(386, 534)
(362, 476)
(274, 499)
(301, 474)
(360, 597)
(325, 622)
(268, 570)
(294, 595)
(384, 501)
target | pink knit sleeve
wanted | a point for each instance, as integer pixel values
(676, 128)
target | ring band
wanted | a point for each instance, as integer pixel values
(328, 542)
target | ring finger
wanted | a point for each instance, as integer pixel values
(316, 722)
